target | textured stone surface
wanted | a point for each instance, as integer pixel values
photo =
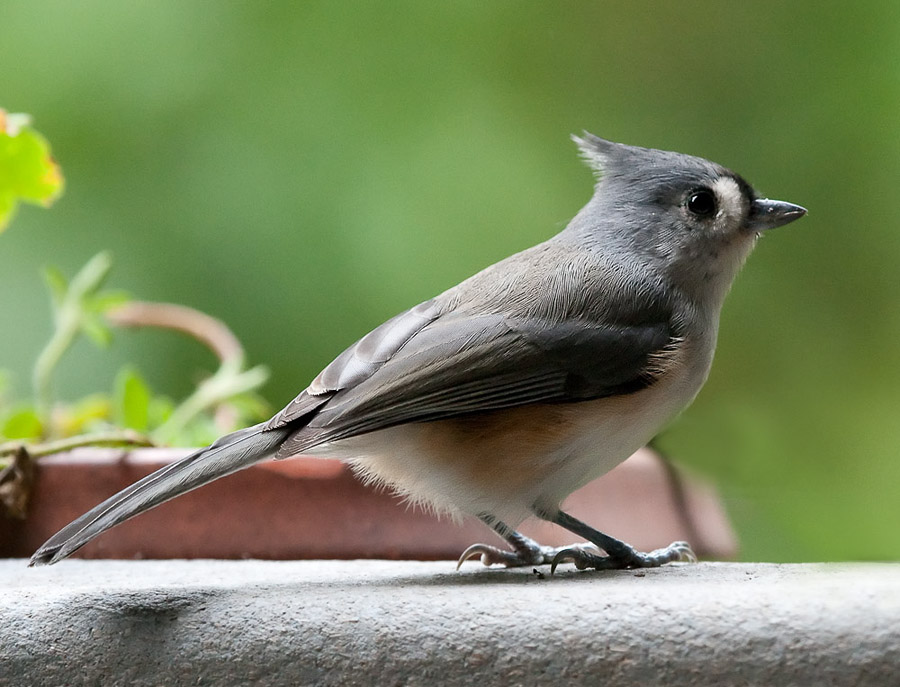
(406, 623)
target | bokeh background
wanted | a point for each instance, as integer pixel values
(306, 170)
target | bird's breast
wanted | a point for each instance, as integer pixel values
(509, 462)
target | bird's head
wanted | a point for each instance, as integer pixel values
(691, 219)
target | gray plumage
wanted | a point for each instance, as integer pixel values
(625, 300)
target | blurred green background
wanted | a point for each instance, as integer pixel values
(306, 170)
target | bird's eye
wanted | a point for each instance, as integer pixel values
(702, 203)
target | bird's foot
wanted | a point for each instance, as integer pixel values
(527, 552)
(627, 558)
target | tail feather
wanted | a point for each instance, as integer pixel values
(228, 454)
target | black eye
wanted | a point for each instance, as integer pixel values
(702, 203)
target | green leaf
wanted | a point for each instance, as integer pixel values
(88, 411)
(57, 284)
(132, 399)
(27, 170)
(23, 423)
(160, 410)
(106, 300)
(83, 415)
(96, 331)
(7, 209)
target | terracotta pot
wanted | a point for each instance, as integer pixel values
(313, 508)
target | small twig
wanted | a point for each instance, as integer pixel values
(208, 330)
(124, 437)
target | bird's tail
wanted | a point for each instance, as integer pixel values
(228, 454)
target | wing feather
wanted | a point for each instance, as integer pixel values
(459, 364)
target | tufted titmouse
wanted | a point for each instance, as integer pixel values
(506, 393)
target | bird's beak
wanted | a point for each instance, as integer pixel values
(767, 214)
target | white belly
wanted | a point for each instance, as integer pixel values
(509, 463)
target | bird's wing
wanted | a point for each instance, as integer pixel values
(424, 365)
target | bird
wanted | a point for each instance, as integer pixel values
(507, 392)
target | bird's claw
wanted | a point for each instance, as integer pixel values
(685, 554)
(582, 558)
(528, 554)
(579, 555)
(491, 555)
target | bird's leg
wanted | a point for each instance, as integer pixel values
(526, 551)
(619, 554)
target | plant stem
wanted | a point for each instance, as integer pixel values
(67, 319)
(115, 438)
(211, 332)
(63, 336)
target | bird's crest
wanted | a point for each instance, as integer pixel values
(597, 152)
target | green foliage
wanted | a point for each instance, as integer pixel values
(132, 400)
(132, 412)
(27, 171)
(78, 308)
(21, 422)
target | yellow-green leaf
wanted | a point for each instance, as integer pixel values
(108, 300)
(23, 423)
(96, 330)
(83, 415)
(27, 170)
(159, 410)
(132, 400)
(57, 284)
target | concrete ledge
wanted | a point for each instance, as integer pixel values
(404, 623)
